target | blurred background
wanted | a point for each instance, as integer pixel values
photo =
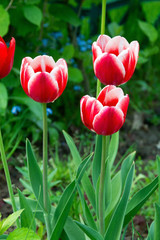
(67, 28)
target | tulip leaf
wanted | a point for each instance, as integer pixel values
(96, 167)
(90, 232)
(86, 211)
(82, 167)
(151, 232)
(72, 231)
(75, 75)
(23, 233)
(62, 210)
(86, 183)
(149, 30)
(3, 98)
(138, 200)
(33, 14)
(8, 222)
(65, 13)
(35, 174)
(4, 21)
(27, 217)
(115, 227)
(113, 147)
(156, 222)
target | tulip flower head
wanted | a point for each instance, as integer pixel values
(42, 79)
(106, 114)
(7, 57)
(114, 59)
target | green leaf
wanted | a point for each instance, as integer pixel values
(126, 165)
(115, 227)
(96, 167)
(116, 14)
(32, 2)
(3, 237)
(156, 222)
(8, 222)
(86, 211)
(72, 231)
(82, 167)
(115, 29)
(62, 211)
(33, 14)
(75, 75)
(65, 13)
(35, 174)
(23, 233)
(113, 147)
(86, 183)
(68, 52)
(90, 232)
(27, 217)
(4, 21)
(151, 232)
(151, 10)
(149, 30)
(3, 98)
(138, 200)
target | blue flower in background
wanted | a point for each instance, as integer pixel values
(45, 42)
(45, 25)
(49, 111)
(15, 110)
(77, 88)
(84, 45)
(56, 34)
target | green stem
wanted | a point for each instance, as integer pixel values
(103, 19)
(105, 144)
(45, 164)
(8, 178)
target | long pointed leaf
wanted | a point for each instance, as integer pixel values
(156, 222)
(139, 199)
(115, 227)
(62, 210)
(90, 232)
(86, 183)
(96, 167)
(113, 148)
(35, 174)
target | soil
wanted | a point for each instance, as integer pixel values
(136, 131)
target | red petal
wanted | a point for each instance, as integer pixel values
(3, 53)
(96, 51)
(60, 74)
(43, 64)
(108, 121)
(116, 45)
(109, 69)
(110, 96)
(8, 64)
(25, 73)
(123, 104)
(43, 88)
(89, 107)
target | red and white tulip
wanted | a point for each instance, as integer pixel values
(114, 59)
(43, 79)
(106, 114)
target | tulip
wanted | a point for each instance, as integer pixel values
(114, 59)
(42, 79)
(7, 57)
(106, 114)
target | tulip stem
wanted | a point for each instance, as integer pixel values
(45, 164)
(103, 20)
(8, 178)
(105, 145)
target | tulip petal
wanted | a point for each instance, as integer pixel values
(116, 45)
(109, 69)
(3, 51)
(110, 96)
(8, 63)
(43, 88)
(89, 107)
(123, 104)
(108, 121)
(43, 64)
(96, 50)
(26, 72)
(102, 41)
